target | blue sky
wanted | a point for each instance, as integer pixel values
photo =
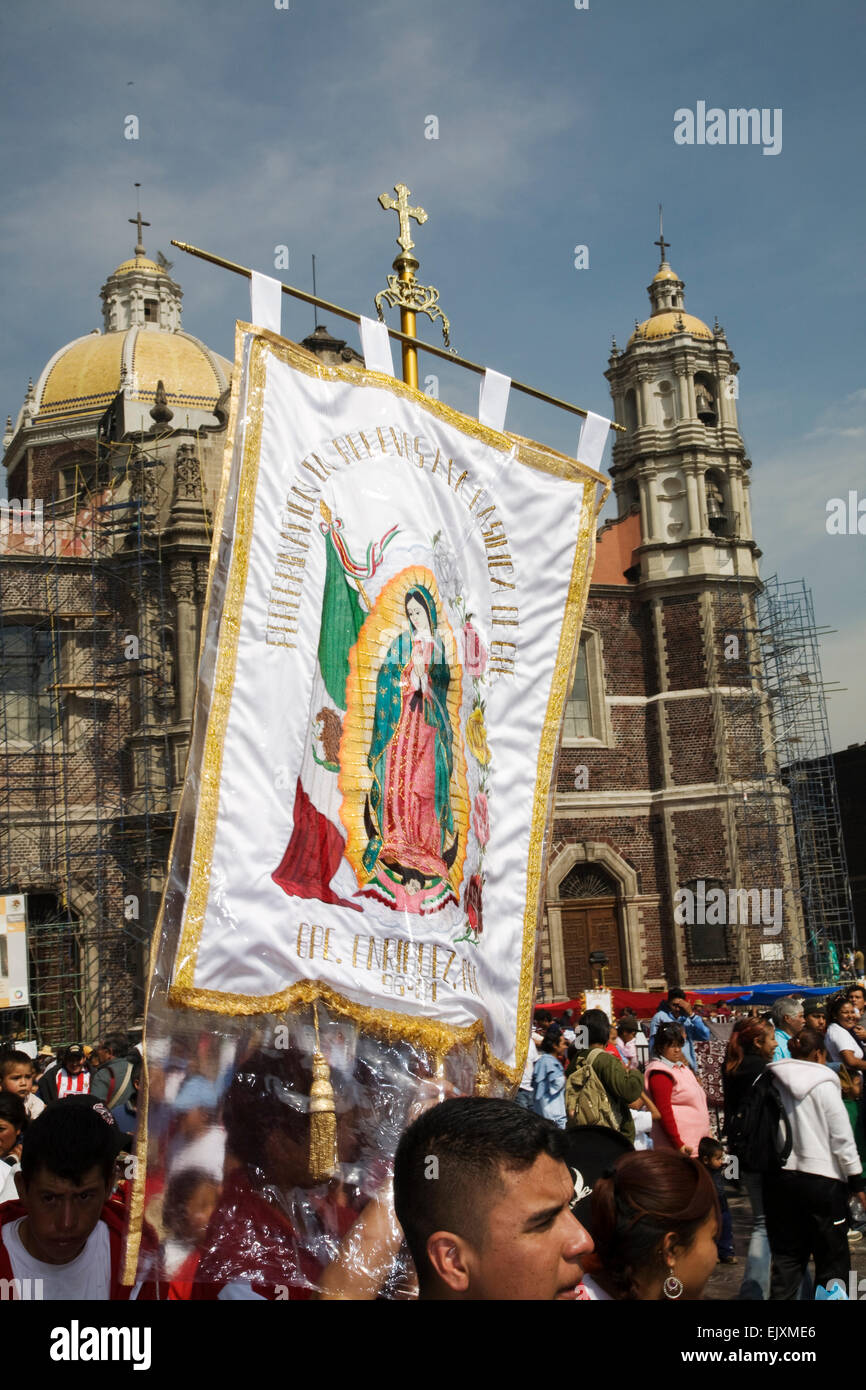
(261, 127)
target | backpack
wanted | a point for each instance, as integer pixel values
(120, 1090)
(759, 1133)
(586, 1100)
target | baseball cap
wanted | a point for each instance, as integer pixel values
(589, 1151)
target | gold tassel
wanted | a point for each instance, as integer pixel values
(323, 1117)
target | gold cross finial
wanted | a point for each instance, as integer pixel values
(138, 222)
(400, 205)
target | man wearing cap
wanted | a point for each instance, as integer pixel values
(677, 1009)
(68, 1077)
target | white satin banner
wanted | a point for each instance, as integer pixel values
(394, 611)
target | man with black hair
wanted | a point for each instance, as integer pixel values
(677, 1009)
(621, 1085)
(112, 1080)
(66, 1231)
(483, 1195)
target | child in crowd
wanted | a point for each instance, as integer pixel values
(712, 1155)
(190, 1200)
(17, 1074)
(13, 1122)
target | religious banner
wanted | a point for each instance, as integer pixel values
(394, 607)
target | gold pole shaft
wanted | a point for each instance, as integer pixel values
(406, 266)
(410, 354)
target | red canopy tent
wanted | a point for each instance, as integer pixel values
(643, 1005)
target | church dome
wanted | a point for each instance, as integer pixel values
(664, 272)
(665, 325)
(140, 263)
(84, 377)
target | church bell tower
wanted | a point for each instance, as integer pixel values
(682, 460)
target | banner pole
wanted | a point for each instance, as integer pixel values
(447, 354)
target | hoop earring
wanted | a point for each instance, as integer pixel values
(672, 1287)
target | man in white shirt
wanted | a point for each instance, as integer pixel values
(62, 1240)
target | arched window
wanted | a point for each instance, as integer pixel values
(631, 410)
(705, 399)
(717, 503)
(586, 717)
(586, 881)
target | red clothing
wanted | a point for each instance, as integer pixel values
(249, 1240)
(183, 1279)
(114, 1215)
(682, 1103)
(72, 1084)
(661, 1088)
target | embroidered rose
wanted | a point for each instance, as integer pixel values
(481, 819)
(474, 652)
(473, 904)
(476, 737)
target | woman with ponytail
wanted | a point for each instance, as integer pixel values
(655, 1217)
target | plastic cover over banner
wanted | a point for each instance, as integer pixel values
(357, 866)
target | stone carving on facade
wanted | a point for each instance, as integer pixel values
(165, 691)
(187, 473)
(183, 581)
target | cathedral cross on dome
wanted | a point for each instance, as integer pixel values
(400, 205)
(138, 222)
(661, 243)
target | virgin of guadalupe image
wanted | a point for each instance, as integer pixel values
(410, 848)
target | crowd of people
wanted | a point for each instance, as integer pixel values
(607, 1177)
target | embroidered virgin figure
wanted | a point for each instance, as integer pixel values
(415, 769)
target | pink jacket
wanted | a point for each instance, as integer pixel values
(689, 1101)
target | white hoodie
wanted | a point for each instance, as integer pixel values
(823, 1141)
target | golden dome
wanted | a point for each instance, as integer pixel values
(664, 272)
(140, 263)
(84, 377)
(666, 324)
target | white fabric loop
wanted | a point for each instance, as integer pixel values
(266, 302)
(593, 437)
(493, 399)
(376, 346)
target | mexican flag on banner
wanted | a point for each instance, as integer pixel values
(318, 840)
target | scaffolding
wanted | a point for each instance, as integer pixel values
(85, 765)
(760, 826)
(792, 667)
